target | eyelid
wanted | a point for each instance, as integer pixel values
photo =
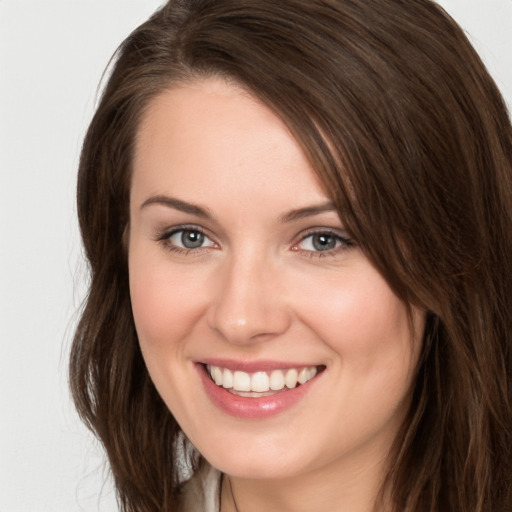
(163, 236)
(340, 235)
(167, 232)
(337, 232)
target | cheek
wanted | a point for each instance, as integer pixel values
(360, 318)
(166, 305)
(374, 353)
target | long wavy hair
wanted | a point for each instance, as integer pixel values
(404, 125)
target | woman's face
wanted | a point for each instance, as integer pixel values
(240, 267)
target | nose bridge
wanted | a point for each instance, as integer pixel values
(247, 306)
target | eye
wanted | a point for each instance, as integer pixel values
(323, 242)
(186, 239)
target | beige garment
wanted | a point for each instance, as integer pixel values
(202, 492)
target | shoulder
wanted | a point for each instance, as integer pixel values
(201, 492)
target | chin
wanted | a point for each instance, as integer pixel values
(254, 469)
(258, 460)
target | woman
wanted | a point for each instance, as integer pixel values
(297, 217)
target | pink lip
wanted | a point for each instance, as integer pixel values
(248, 407)
(254, 366)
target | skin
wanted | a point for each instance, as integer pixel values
(259, 289)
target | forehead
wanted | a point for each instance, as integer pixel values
(212, 136)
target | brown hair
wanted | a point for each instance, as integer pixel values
(404, 125)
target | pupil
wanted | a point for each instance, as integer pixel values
(192, 239)
(324, 242)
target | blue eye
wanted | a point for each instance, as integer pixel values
(320, 242)
(323, 241)
(187, 239)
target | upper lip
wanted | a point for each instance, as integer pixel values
(255, 366)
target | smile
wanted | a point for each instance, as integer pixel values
(257, 390)
(260, 383)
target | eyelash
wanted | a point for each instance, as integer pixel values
(165, 237)
(344, 242)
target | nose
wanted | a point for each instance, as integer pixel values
(249, 304)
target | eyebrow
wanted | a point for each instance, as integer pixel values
(177, 204)
(308, 211)
(199, 211)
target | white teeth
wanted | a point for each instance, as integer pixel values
(217, 375)
(276, 380)
(227, 379)
(303, 376)
(241, 381)
(291, 378)
(306, 374)
(260, 382)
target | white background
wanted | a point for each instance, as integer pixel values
(52, 54)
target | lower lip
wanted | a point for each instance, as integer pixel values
(250, 407)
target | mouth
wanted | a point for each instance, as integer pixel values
(257, 390)
(261, 383)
